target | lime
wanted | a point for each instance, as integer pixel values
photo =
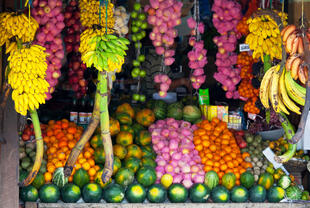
(138, 45)
(134, 38)
(166, 180)
(134, 29)
(138, 23)
(142, 98)
(134, 14)
(142, 16)
(136, 97)
(142, 73)
(144, 25)
(141, 58)
(136, 63)
(137, 6)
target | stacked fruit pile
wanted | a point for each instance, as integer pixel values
(246, 89)
(264, 37)
(225, 19)
(121, 20)
(294, 45)
(243, 27)
(51, 20)
(218, 149)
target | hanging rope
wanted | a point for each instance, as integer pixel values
(302, 14)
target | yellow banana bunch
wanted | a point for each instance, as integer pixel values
(264, 37)
(27, 77)
(90, 14)
(105, 52)
(14, 24)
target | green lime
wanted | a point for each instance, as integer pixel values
(144, 25)
(142, 16)
(137, 6)
(141, 58)
(134, 14)
(136, 63)
(142, 73)
(134, 29)
(142, 98)
(136, 97)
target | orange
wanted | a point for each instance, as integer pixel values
(213, 148)
(71, 144)
(206, 143)
(86, 166)
(71, 130)
(77, 166)
(51, 168)
(91, 162)
(61, 156)
(62, 144)
(70, 179)
(82, 160)
(92, 172)
(47, 177)
(52, 150)
(87, 155)
(64, 125)
(97, 167)
(207, 168)
(59, 164)
(223, 167)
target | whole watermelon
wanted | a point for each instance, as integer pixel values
(293, 193)
(191, 113)
(160, 112)
(211, 179)
(175, 110)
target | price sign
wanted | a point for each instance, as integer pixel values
(251, 116)
(244, 47)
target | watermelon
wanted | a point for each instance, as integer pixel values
(29, 194)
(177, 193)
(146, 176)
(99, 155)
(80, 177)
(191, 113)
(124, 176)
(22, 175)
(70, 193)
(59, 178)
(156, 193)
(38, 181)
(49, 193)
(199, 193)
(284, 182)
(239, 194)
(148, 161)
(257, 193)
(124, 118)
(275, 194)
(160, 112)
(175, 110)
(305, 195)
(247, 179)
(113, 193)
(211, 179)
(117, 164)
(135, 193)
(147, 151)
(220, 194)
(160, 103)
(266, 180)
(229, 180)
(293, 193)
(92, 193)
(132, 163)
(143, 138)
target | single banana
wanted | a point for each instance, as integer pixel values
(264, 89)
(273, 90)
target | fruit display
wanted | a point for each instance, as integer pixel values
(182, 162)
(51, 20)
(164, 83)
(225, 19)
(294, 46)
(121, 20)
(90, 11)
(270, 122)
(197, 56)
(218, 149)
(279, 88)
(242, 26)
(164, 16)
(264, 37)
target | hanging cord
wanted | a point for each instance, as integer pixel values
(302, 14)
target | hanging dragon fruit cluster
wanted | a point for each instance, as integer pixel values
(51, 20)
(164, 15)
(227, 14)
(164, 83)
(197, 56)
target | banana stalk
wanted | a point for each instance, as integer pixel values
(302, 123)
(105, 127)
(289, 133)
(84, 138)
(39, 149)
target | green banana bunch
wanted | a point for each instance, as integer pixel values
(27, 78)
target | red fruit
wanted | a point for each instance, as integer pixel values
(76, 48)
(70, 31)
(76, 27)
(75, 79)
(69, 49)
(75, 87)
(80, 74)
(27, 131)
(71, 73)
(83, 66)
(76, 65)
(73, 3)
(25, 137)
(82, 82)
(77, 15)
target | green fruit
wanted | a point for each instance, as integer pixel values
(136, 97)
(141, 58)
(70, 193)
(239, 194)
(99, 155)
(211, 179)
(26, 162)
(156, 193)
(191, 113)
(124, 176)
(134, 29)
(293, 193)
(247, 179)
(134, 38)
(257, 193)
(148, 161)
(143, 33)
(137, 128)
(134, 75)
(142, 16)
(134, 14)
(143, 138)
(59, 178)
(49, 193)
(138, 23)
(199, 193)
(175, 111)
(284, 182)
(144, 25)
(92, 193)
(146, 176)
(137, 6)
(22, 175)
(135, 63)
(132, 163)
(137, 45)
(160, 112)
(139, 36)
(135, 193)
(147, 151)
(220, 194)
(136, 70)
(142, 73)
(113, 193)
(80, 177)
(275, 194)
(305, 195)
(177, 193)
(38, 181)
(142, 98)
(266, 180)
(28, 194)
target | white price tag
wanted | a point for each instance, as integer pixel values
(252, 116)
(244, 47)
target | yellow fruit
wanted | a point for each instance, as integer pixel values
(166, 180)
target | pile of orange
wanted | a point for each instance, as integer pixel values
(243, 27)
(218, 149)
(61, 137)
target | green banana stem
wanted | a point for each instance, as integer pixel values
(289, 133)
(39, 149)
(105, 126)
(267, 63)
(84, 138)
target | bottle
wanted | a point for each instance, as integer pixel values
(74, 112)
(90, 107)
(82, 112)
